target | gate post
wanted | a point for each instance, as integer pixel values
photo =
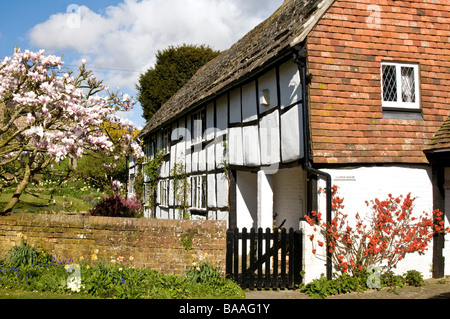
(298, 256)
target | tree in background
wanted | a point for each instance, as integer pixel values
(174, 67)
(94, 166)
(48, 115)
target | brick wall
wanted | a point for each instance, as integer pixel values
(157, 244)
(345, 50)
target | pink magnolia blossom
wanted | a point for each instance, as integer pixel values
(59, 114)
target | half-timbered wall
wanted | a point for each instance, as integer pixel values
(255, 126)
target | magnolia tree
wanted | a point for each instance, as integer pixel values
(48, 114)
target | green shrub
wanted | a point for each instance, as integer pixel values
(414, 278)
(23, 255)
(389, 279)
(322, 288)
(203, 273)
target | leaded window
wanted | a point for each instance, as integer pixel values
(400, 85)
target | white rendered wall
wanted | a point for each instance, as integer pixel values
(290, 85)
(249, 103)
(250, 146)
(356, 185)
(246, 199)
(268, 83)
(269, 138)
(292, 134)
(265, 200)
(289, 196)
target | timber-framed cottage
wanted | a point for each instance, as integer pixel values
(347, 92)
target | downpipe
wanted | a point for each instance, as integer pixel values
(299, 57)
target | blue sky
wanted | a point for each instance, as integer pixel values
(119, 38)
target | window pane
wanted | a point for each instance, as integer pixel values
(389, 83)
(408, 85)
(203, 190)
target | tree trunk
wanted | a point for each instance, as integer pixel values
(19, 190)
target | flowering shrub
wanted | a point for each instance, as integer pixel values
(117, 206)
(392, 232)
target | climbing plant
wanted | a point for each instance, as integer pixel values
(182, 189)
(151, 170)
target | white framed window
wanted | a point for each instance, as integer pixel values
(198, 187)
(165, 140)
(163, 193)
(131, 190)
(147, 194)
(400, 85)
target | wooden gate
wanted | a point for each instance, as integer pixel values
(264, 260)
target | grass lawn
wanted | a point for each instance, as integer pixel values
(30, 203)
(74, 196)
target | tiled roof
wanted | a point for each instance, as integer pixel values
(348, 123)
(287, 27)
(441, 140)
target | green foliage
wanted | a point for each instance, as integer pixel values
(114, 280)
(322, 288)
(173, 68)
(48, 197)
(24, 255)
(93, 169)
(151, 169)
(203, 273)
(389, 279)
(182, 189)
(186, 241)
(414, 278)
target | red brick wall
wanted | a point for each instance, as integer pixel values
(345, 52)
(157, 244)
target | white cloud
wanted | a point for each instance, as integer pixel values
(121, 42)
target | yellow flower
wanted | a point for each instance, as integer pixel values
(94, 257)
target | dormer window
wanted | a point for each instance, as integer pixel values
(400, 85)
